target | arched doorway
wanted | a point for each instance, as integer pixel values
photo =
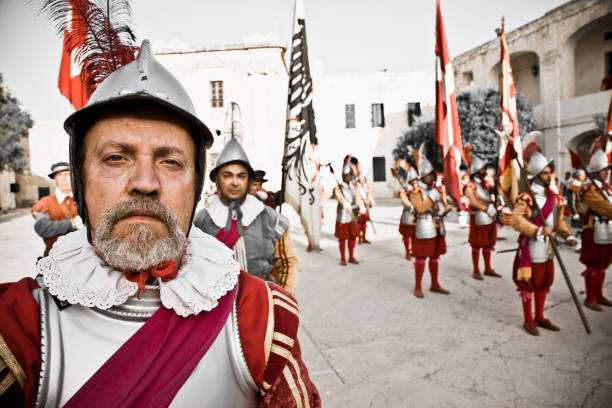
(581, 143)
(526, 73)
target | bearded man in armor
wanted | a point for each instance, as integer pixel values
(483, 227)
(138, 308)
(408, 218)
(258, 235)
(596, 252)
(533, 268)
(365, 193)
(350, 206)
(430, 204)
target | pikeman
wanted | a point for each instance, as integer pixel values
(483, 228)
(407, 222)
(596, 252)
(430, 205)
(349, 207)
(258, 235)
(365, 193)
(533, 268)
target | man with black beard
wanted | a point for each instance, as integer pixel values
(258, 235)
(139, 309)
(533, 268)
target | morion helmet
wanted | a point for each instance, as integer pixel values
(412, 174)
(476, 165)
(426, 167)
(143, 79)
(232, 153)
(599, 161)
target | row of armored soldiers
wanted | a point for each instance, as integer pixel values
(423, 232)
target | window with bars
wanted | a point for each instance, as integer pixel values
(216, 94)
(349, 115)
(414, 111)
(378, 115)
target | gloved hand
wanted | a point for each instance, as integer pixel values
(491, 211)
(262, 195)
(576, 217)
(570, 240)
(77, 222)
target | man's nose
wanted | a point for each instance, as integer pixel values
(144, 179)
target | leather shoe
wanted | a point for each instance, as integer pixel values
(491, 272)
(353, 261)
(343, 262)
(477, 276)
(365, 241)
(440, 289)
(419, 294)
(604, 301)
(593, 306)
(547, 324)
(530, 327)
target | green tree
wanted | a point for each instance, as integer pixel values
(478, 110)
(14, 126)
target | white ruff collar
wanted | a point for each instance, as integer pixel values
(75, 273)
(251, 208)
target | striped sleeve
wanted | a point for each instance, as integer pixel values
(285, 383)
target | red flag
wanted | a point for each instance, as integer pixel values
(509, 142)
(69, 81)
(610, 116)
(447, 133)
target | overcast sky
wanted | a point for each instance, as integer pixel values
(345, 35)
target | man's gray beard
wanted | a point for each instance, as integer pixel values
(138, 250)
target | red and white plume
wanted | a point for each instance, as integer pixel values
(447, 134)
(97, 40)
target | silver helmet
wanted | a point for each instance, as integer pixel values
(477, 164)
(537, 163)
(426, 167)
(142, 80)
(232, 153)
(346, 169)
(411, 175)
(599, 161)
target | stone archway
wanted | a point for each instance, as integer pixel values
(581, 143)
(526, 72)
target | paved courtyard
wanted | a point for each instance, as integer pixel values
(368, 342)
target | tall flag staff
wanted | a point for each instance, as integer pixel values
(301, 186)
(509, 143)
(447, 133)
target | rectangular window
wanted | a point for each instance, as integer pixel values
(349, 115)
(414, 111)
(378, 168)
(216, 94)
(378, 115)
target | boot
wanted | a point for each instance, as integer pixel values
(351, 249)
(406, 241)
(529, 325)
(419, 270)
(540, 300)
(475, 260)
(486, 255)
(433, 270)
(599, 282)
(342, 246)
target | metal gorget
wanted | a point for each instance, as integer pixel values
(76, 341)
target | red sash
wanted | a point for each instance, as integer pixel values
(152, 366)
(230, 237)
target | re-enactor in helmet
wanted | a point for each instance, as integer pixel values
(596, 251)
(139, 309)
(258, 235)
(533, 268)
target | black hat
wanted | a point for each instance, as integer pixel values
(260, 176)
(58, 168)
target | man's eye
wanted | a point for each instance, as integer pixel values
(172, 162)
(114, 158)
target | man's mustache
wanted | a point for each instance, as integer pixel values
(141, 206)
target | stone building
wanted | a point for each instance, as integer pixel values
(558, 61)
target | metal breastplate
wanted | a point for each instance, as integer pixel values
(76, 341)
(408, 216)
(602, 227)
(342, 215)
(538, 246)
(483, 194)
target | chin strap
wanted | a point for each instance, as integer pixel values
(166, 271)
(234, 213)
